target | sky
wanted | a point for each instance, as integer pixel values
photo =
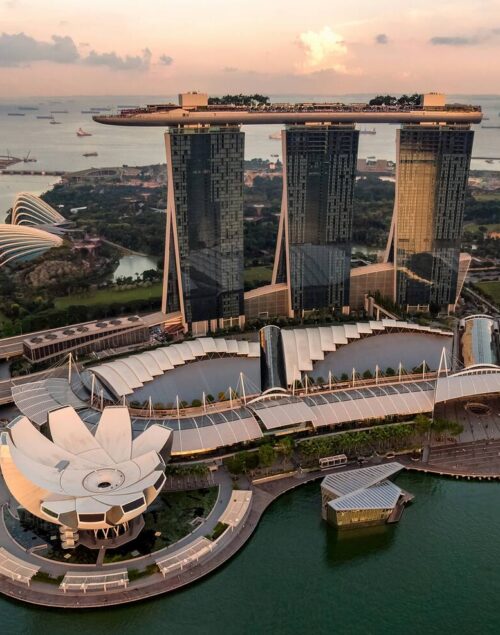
(315, 47)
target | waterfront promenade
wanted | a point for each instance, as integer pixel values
(480, 460)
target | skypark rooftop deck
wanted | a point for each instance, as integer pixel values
(282, 113)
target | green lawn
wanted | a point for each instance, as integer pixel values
(254, 274)
(473, 227)
(487, 196)
(492, 289)
(109, 296)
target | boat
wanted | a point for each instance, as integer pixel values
(7, 160)
(87, 112)
(15, 114)
(82, 133)
(44, 117)
(28, 159)
(99, 109)
(59, 112)
(368, 131)
(54, 122)
(90, 154)
(28, 107)
(496, 127)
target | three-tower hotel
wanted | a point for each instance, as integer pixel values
(203, 274)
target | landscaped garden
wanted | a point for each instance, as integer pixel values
(171, 517)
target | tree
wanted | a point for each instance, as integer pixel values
(422, 424)
(367, 374)
(267, 455)
(221, 396)
(286, 447)
(236, 464)
(344, 377)
(390, 372)
(209, 398)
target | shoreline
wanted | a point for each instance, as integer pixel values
(264, 494)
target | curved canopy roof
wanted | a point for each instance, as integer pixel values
(18, 242)
(31, 210)
(303, 347)
(125, 375)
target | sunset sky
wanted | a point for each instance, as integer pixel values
(76, 47)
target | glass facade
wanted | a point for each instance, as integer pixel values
(272, 358)
(480, 341)
(320, 176)
(432, 173)
(207, 180)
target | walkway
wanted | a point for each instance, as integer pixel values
(56, 568)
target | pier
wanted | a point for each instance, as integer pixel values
(33, 172)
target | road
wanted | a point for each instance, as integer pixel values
(479, 298)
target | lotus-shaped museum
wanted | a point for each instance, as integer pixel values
(83, 480)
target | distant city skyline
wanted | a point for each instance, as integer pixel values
(118, 47)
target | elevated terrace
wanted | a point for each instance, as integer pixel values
(284, 113)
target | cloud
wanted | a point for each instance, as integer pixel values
(120, 63)
(465, 40)
(322, 50)
(19, 48)
(456, 40)
(166, 60)
(381, 38)
(229, 69)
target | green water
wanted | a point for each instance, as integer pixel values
(438, 571)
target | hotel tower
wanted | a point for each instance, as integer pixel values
(203, 277)
(431, 183)
(314, 237)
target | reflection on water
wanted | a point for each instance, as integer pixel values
(133, 265)
(350, 544)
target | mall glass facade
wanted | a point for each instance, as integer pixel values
(318, 202)
(432, 173)
(206, 177)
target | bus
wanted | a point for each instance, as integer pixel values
(332, 461)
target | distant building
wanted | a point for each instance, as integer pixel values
(204, 248)
(314, 238)
(431, 183)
